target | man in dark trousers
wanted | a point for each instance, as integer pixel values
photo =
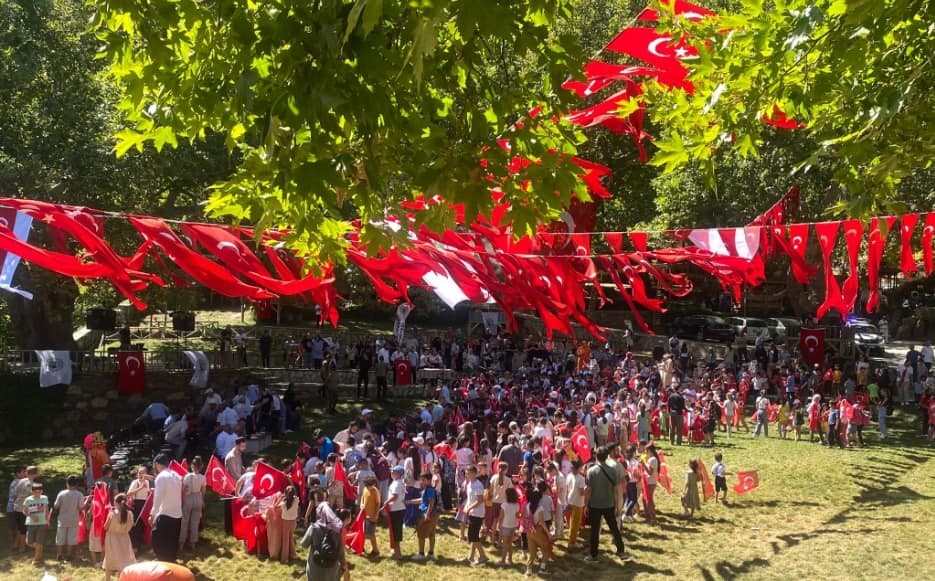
(676, 406)
(166, 515)
(364, 360)
(266, 348)
(600, 496)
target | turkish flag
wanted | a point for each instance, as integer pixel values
(354, 538)
(827, 238)
(131, 372)
(100, 506)
(144, 518)
(686, 10)
(207, 272)
(798, 240)
(654, 48)
(812, 345)
(403, 372)
(746, 481)
(242, 522)
(298, 478)
(707, 487)
(178, 469)
(218, 478)
(580, 443)
(927, 234)
(268, 481)
(907, 262)
(389, 524)
(853, 235)
(876, 242)
(350, 493)
(227, 246)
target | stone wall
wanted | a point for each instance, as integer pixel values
(65, 414)
(92, 403)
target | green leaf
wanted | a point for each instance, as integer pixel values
(352, 19)
(372, 14)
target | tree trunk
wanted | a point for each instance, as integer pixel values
(45, 322)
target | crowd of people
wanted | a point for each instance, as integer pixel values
(533, 443)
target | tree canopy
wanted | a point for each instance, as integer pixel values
(343, 109)
(856, 74)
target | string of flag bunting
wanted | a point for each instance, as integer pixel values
(551, 272)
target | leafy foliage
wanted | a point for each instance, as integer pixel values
(857, 73)
(342, 109)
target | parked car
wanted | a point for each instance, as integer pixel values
(703, 328)
(866, 337)
(783, 327)
(755, 327)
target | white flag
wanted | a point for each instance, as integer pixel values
(21, 226)
(54, 367)
(491, 321)
(201, 366)
(399, 325)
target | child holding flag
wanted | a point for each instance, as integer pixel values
(370, 505)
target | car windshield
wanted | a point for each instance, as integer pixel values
(866, 329)
(755, 323)
(712, 319)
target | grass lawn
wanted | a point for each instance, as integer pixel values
(818, 514)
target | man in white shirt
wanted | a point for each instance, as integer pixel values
(475, 509)
(166, 515)
(762, 403)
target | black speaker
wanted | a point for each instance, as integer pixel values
(101, 319)
(183, 321)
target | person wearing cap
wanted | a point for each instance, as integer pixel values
(36, 509)
(396, 503)
(166, 515)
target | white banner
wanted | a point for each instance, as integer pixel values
(201, 366)
(399, 325)
(54, 367)
(21, 227)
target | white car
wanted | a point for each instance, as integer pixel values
(783, 327)
(755, 327)
(866, 336)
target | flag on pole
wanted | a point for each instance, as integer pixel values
(580, 443)
(707, 487)
(268, 481)
(218, 478)
(144, 518)
(339, 476)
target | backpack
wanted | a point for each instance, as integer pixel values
(325, 552)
